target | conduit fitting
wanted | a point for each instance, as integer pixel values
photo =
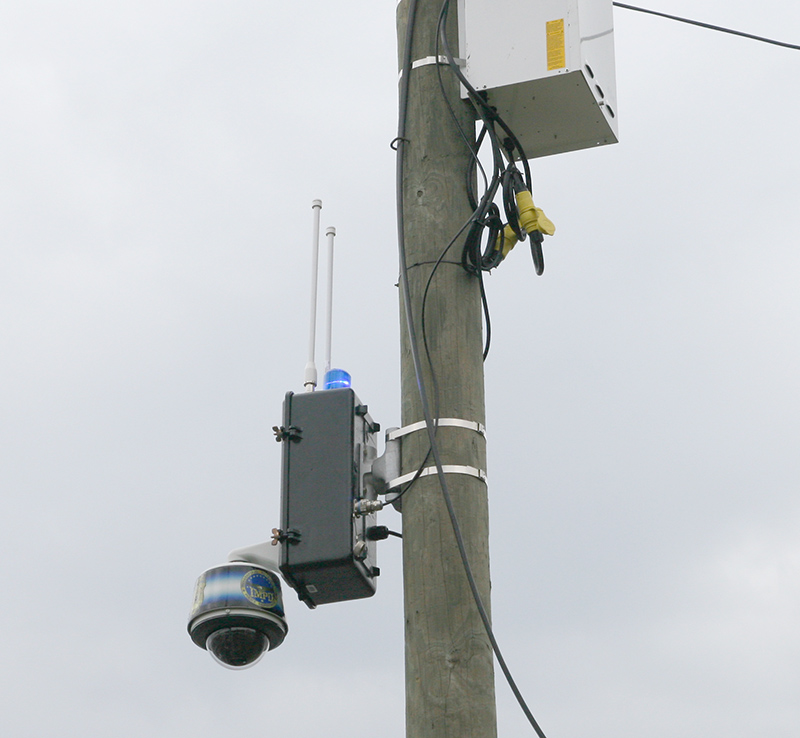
(366, 507)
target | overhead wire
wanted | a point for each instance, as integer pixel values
(710, 26)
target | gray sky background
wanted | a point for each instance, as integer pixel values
(157, 164)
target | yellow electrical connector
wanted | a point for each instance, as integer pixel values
(532, 218)
(506, 240)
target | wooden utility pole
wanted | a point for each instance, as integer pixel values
(449, 662)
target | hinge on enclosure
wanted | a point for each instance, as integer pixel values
(291, 433)
(289, 536)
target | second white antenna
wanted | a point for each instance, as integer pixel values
(331, 234)
(310, 378)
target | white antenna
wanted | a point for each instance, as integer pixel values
(310, 379)
(330, 233)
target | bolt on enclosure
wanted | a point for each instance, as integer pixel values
(329, 444)
(547, 66)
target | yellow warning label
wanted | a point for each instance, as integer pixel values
(556, 49)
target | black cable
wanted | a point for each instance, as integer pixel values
(487, 319)
(381, 533)
(429, 422)
(487, 223)
(425, 294)
(475, 163)
(484, 110)
(485, 214)
(435, 381)
(413, 481)
(401, 142)
(472, 258)
(708, 25)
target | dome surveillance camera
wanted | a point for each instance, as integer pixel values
(237, 615)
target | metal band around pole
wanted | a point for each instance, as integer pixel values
(441, 59)
(431, 470)
(424, 62)
(472, 425)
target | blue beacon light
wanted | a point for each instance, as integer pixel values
(336, 379)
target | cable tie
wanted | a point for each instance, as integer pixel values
(423, 263)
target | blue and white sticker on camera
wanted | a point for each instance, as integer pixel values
(258, 588)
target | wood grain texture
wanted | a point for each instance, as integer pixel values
(449, 662)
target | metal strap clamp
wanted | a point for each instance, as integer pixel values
(472, 425)
(446, 468)
(441, 59)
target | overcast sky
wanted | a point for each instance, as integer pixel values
(157, 165)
